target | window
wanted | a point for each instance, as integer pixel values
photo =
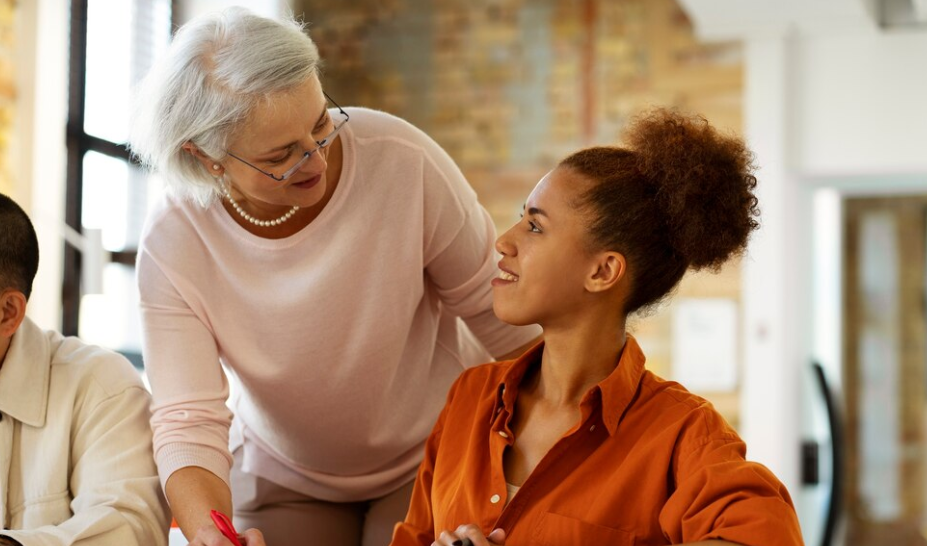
(113, 43)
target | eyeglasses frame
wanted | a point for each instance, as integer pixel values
(324, 143)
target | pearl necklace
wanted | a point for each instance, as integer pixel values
(252, 219)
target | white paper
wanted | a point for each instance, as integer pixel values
(704, 348)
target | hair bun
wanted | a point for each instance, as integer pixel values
(703, 181)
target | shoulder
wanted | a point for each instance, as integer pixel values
(172, 220)
(92, 371)
(485, 376)
(366, 122)
(170, 217)
(693, 416)
(472, 397)
(476, 387)
(377, 128)
(388, 144)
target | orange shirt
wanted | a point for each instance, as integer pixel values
(648, 463)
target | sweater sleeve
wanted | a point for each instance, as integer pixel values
(190, 419)
(720, 495)
(459, 251)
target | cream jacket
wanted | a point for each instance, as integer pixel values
(76, 462)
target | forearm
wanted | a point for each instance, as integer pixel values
(192, 492)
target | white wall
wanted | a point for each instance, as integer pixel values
(40, 155)
(769, 415)
(862, 100)
(834, 105)
(189, 9)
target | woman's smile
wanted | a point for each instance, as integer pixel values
(308, 183)
(505, 277)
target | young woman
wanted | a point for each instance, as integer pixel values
(576, 442)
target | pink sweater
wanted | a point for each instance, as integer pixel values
(344, 337)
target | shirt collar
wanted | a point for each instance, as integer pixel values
(617, 390)
(24, 375)
(620, 387)
(507, 390)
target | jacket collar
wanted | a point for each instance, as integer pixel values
(617, 391)
(24, 376)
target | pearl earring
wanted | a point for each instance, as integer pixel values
(215, 166)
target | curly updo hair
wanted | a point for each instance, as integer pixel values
(679, 195)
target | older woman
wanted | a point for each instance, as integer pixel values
(324, 256)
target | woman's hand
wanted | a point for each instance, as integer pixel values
(470, 535)
(208, 535)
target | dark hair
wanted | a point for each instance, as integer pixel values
(679, 195)
(19, 248)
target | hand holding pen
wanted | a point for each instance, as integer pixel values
(224, 524)
(222, 532)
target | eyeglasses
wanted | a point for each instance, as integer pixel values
(339, 123)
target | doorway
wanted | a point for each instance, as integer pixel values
(885, 370)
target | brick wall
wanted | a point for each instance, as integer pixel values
(508, 87)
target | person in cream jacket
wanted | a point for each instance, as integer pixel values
(76, 464)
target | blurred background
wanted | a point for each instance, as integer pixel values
(813, 345)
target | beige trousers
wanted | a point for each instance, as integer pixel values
(288, 518)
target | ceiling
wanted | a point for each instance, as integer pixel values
(735, 19)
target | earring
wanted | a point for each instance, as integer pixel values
(215, 166)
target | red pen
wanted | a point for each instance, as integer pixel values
(224, 524)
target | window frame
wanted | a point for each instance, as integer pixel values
(79, 143)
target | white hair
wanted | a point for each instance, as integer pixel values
(217, 68)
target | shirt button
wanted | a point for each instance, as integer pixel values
(591, 428)
(503, 434)
(494, 499)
